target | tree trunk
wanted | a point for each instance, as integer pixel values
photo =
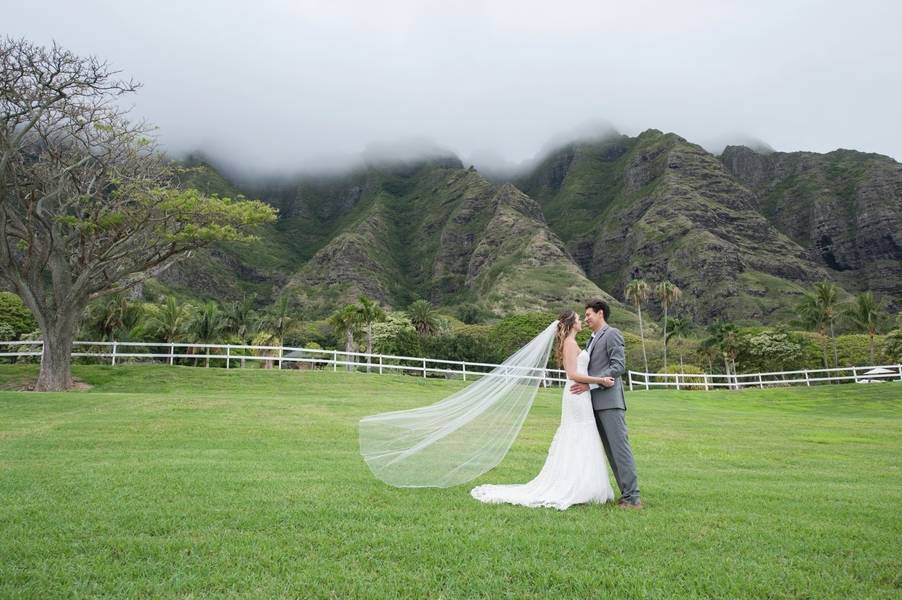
(369, 345)
(665, 338)
(349, 345)
(726, 366)
(56, 360)
(642, 337)
(833, 340)
(871, 346)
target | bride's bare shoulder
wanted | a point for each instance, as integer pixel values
(570, 346)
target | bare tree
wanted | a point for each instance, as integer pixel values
(88, 205)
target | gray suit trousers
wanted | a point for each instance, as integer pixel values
(612, 428)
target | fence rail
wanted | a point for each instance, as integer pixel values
(707, 381)
(236, 355)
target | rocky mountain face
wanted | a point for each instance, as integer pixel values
(742, 234)
(658, 207)
(844, 207)
(443, 233)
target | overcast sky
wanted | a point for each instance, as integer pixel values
(297, 85)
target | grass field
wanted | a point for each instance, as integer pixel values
(181, 482)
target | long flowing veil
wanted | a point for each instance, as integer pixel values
(463, 436)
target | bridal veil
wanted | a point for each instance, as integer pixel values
(463, 436)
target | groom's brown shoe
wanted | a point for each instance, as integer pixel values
(631, 505)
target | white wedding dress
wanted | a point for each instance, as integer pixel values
(575, 471)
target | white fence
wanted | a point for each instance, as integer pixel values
(707, 381)
(234, 355)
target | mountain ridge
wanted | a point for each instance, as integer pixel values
(587, 218)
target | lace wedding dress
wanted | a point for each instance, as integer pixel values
(575, 471)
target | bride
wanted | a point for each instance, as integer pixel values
(468, 433)
(575, 471)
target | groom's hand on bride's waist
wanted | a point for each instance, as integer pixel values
(579, 388)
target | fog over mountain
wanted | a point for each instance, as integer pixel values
(281, 87)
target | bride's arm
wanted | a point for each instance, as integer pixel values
(571, 351)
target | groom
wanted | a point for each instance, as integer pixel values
(607, 359)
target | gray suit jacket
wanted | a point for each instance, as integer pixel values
(608, 359)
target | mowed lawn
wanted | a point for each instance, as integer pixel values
(191, 482)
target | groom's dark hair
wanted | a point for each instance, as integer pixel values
(599, 305)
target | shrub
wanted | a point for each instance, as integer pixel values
(853, 350)
(694, 380)
(16, 316)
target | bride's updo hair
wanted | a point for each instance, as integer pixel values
(566, 322)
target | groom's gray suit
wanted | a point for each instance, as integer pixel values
(607, 358)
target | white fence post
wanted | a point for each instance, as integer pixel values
(228, 356)
(854, 374)
(424, 368)
(705, 375)
(760, 382)
(380, 364)
(280, 356)
(334, 361)
(807, 379)
(464, 370)
(171, 354)
(645, 376)
(113, 362)
(629, 379)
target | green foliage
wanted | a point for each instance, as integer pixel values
(168, 321)
(766, 350)
(855, 350)
(423, 316)
(7, 333)
(278, 318)
(892, 346)
(515, 331)
(472, 314)
(114, 317)
(689, 382)
(242, 321)
(15, 316)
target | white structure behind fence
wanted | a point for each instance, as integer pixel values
(234, 355)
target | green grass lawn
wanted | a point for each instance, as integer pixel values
(174, 481)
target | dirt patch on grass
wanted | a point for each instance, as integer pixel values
(27, 385)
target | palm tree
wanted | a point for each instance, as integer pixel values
(679, 328)
(169, 321)
(206, 325)
(866, 313)
(369, 313)
(242, 320)
(812, 317)
(115, 317)
(278, 319)
(346, 320)
(819, 309)
(724, 337)
(423, 317)
(667, 294)
(828, 298)
(637, 292)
